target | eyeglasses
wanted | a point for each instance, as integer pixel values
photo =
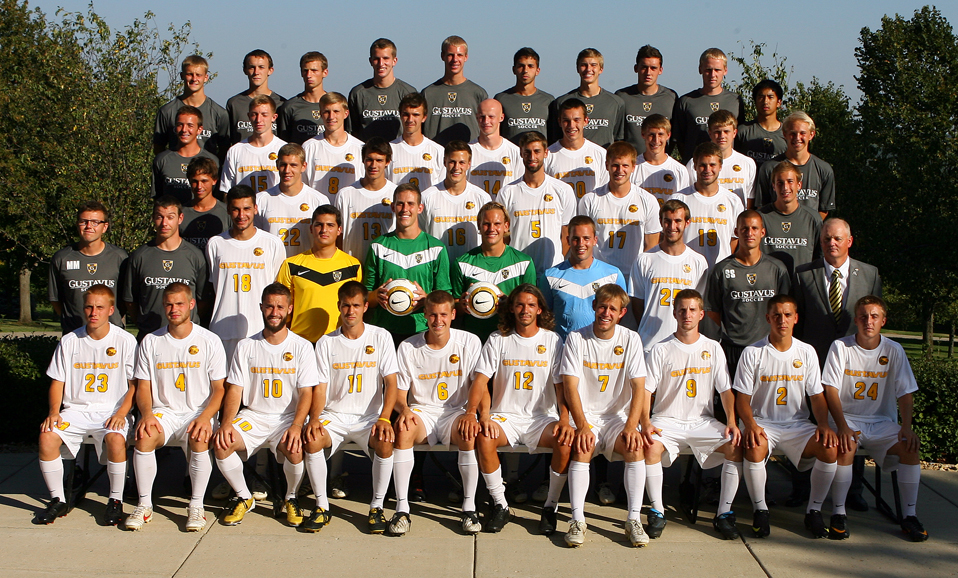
(94, 222)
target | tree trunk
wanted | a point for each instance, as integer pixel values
(951, 340)
(930, 334)
(25, 316)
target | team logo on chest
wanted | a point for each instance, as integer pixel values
(194, 350)
(110, 351)
(646, 106)
(736, 168)
(686, 268)
(588, 160)
(633, 208)
(883, 360)
(183, 167)
(272, 156)
(548, 198)
(470, 205)
(386, 202)
(349, 156)
(453, 358)
(589, 108)
(595, 287)
(786, 227)
(287, 356)
(721, 208)
(751, 278)
(526, 107)
(337, 275)
(797, 363)
(304, 207)
(714, 106)
(451, 96)
(382, 99)
(426, 157)
(541, 349)
(418, 257)
(504, 273)
(91, 268)
(258, 251)
(316, 115)
(706, 355)
(370, 350)
(167, 265)
(618, 350)
(668, 178)
(505, 160)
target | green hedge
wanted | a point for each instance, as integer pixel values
(936, 409)
(23, 367)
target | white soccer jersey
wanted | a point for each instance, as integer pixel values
(271, 375)
(329, 169)
(246, 164)
(737, 175)
(621, 223)
(583, 170)
(438, 378)
(605, 368)
(366, 215)
(289, 217)
(778, 381)
(684, 377)
(95, 372)
(869, 381)
(239, 271)
(493, 169)
(180, 370)
(452, 218)
(713, 222)
(524, 371)
(538, 216)
(655, 278)
(353, 370)
(663, 180)
(421, 165)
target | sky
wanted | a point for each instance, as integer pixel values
(818, 37)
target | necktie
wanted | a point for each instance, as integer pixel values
(835, 294)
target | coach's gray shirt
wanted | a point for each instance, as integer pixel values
(72, 273)
(740, 294)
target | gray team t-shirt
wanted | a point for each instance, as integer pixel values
(740, 295)
(792, 238)
(72, 273)
(375, 111)
(690, 119)
(199, 227)
(759, 144)
(237, 108)
(452, 111)
(169, 174)
(639, 106)
(523, 113)
(818, 184)
(148, 272)
(606, 113)
(298, 120)
(216, 126)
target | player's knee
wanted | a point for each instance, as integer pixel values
(49, 442)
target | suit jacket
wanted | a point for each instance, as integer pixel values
(816, 324)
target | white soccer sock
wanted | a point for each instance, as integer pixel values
(144, 466)
(731, 473)
(634, 479)
(822, 476)
(316, 467)
(755, 478)
(232, 469)
(116, 472)
(294, 477)
(403, 461)
(653, 486)
(497, 491)
(201, 468)
(908, 482)
(469, 470)
(556, 483)
(840, 485)
(382, 471)
(578, 488)
(53, 476)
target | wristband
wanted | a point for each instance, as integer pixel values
(385, 420)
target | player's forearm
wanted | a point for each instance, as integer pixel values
(636, 409)
(401, 404)
(231, 402)
(55, 396)
(389, 396)
(127, 404)
(571, 400)
(303, 405)
(216, 400)
(645, 407)
(728, 402)
(476, 392)
(906, 405)
(743, 407)
(819, 408)
(318, 403)
(144, 397)
(834, 403)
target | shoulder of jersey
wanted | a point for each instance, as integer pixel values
(469, 339)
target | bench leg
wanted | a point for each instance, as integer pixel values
(690, 490)
(880, 504)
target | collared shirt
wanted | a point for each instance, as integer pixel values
(842, 281)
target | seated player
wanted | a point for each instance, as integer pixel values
(603, 377)
(272, 374)
(180, 370)
(435, 371)
(522, 360)
(864, 375)
(772, 380)
(91, 393)
(686, 370)
(353, 403)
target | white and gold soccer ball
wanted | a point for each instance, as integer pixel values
(400, 297)
(481, 299)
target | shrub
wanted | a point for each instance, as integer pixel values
(936, 409)
(23, 362)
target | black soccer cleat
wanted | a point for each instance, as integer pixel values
(725, 525)
(547, 521)
(114, 513)
(913, 528)
(656, 524)
(760, 526)
(498, 519)
(55, 509)
(318, 520)
(815, 524)
(377, 521)
(838, 527)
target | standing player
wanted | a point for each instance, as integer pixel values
(646, 97)
(88, 262)
(495, 160)
(525, 107)
(450, 207)
(300, 118)
(657, 172)
(180, 370)
(792, 230)
(867, 413)
(91, 394)
(603, 377)
(374, 104)
(204, 216)
(215, 134)
(366, 206)
(453, 98)
(258, 67)
(255, 157)
(762, 140)
(738, 171)
(692, 110)
(353, 403)
(574, 159)
(333, 157)
(604, 111)
(170, 166)
(415, 159)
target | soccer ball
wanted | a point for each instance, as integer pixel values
(481, 299)
(400, 297)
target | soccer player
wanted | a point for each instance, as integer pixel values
(164, 260)
(258, 67)
(243, 261)
(774, 377)
(415, 159)
(761, 139)
(864, 376)
(254, 158)
(657, 172)
(603, 375)
(180, 370)
(738, 171)
(450, 207)
(91, 394)
(273, 375)
(374, 104)
(495, 160)
(170, 166)
(659, 274)
(818, 178)
(714, 208)
(88, 262)
(215, 134)
(574, 159)
(541, 206)
(300, 118)
(792, 231)
(204, 216)
(740, 284)
(284, 210)
(353, 403)
(686, 370)
(646, 97)
(692, 110)
(366, 206)
(314, 276)
(524, 106)
(521, 360)
(604, 112)
(333, 157)
(453, 98)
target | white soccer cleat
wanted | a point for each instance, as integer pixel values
(575, 537)
(140, 515)
(636, 533)
(195, 518)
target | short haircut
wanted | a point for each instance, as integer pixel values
(580, 220)
(194, 60)
(93, 206)
(706, 149)
(328, 210)
(241, 192)
(871, 300)
(768, 83)
(721, 118)
(492, 206)
(784, 167)
(781, 298)
(351, 289)
(749, 214)
(202, 166)
(313, 57)
(572, 103)
(686, 294)
(507, 319)
(190, 110)
(378, 145)
(102, 290)
(413, 100)
(656, 121)
(648, 51)
(798, 116)
(457, 146)
(715, 53)
(408, 187)
(673, 205)
(178, 287)
(837, 221)
(167, 201)
(277, 289)
(292, 150)
(611, 291)
(532, 136)
(258, 53)
(621, 149)
(260, 100)
(590, 53)
(438, 297)
(525, 52)
(331, 98)
(451, 41)
(382, 44)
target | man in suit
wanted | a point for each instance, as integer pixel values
(826, 291)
